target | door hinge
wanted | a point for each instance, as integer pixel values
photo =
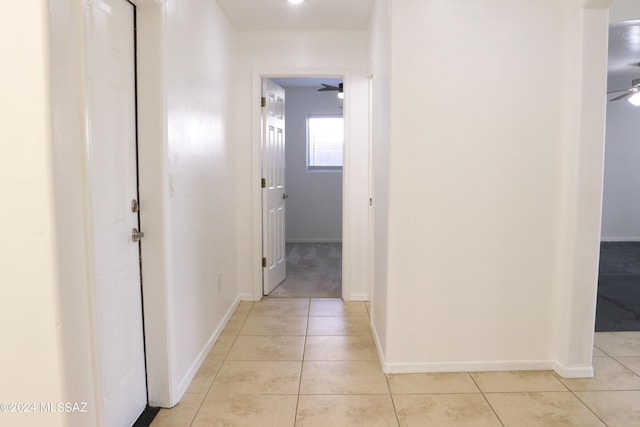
(263, 102)
(264, 262)
(263, 183)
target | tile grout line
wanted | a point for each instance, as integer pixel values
(304, 350)
(306, 335)
(386, 379)
(393, 401)
(246, 315)
(486, 400)
(588, 408)
(595, 346)
(624, 366)
(559, 378)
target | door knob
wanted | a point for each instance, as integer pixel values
(285, 196)
(136, 235)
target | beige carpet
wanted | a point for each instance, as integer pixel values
(314, 270)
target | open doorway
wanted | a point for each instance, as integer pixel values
(314, 129)
(618, 304)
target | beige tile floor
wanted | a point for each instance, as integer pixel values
(303, 363)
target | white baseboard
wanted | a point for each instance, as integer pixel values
(478, 366)
(314, 241)
(376, 339)
(359, 297)
(619, 239)
(470, 366)
(246, 297)
(575, 372)
(184, 383)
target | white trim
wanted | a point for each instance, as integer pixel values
(347, 177)
(257, 75)
(479, 366)
(620, 239)
(246, 297)
(376, 338)
(371, 210)
(314, 241)
(573, 372)
(89, 240)
(154, 201)
(359, 297)
(470, 366)
(195, 366)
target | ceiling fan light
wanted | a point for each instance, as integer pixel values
(635, 99)
(341, 91)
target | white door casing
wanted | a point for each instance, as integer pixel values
(273, 194)
(112, 174)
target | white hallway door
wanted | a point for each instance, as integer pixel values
(113, 195)
(273, 194)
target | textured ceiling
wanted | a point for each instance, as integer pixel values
(310, 15)
(624, 54)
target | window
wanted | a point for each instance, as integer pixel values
(325, 138)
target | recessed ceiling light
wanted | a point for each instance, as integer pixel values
(295, 1)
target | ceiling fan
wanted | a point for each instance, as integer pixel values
(633, 93)
(326, 88)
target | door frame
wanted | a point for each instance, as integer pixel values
(154, 200)
(267, 85)
(152, 145)
(256, 153)
(68, 115)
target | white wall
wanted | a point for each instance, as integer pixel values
(198, 81)
(31, 356)
(381, 115)
(472, 185)
(476, 203)
(186, 174)
(314, 206)
(621, 194)
(71, 222)
(621, 198)
(314, 53)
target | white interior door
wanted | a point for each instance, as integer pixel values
(273, 195)
(112, 170)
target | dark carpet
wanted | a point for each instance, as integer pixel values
(314, 270)
(618, 306)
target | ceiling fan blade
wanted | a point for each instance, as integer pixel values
(623, 96)
(326, 87)
(618, 91)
